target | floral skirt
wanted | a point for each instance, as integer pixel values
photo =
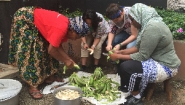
(28, 49)
(153, 72)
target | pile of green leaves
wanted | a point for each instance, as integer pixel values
(175, 21)
(97, 85)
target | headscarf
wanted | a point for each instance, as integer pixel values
(144, 14)
(79, 25)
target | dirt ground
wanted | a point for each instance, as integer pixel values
(158, 98)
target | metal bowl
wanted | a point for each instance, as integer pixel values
(12, 101)
(76, 101)
(9, 91)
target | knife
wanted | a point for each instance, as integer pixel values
(106, 54)
(56, 86)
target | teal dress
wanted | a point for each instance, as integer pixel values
(28, 49)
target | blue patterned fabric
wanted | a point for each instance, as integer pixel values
(168, 71)
(79, 25)
(149, 73)
(118, 14)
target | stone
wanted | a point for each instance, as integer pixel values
(8, 71)
(176, 4)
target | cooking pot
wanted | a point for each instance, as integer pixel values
(9, 91)
(12, 101)
(76, 101)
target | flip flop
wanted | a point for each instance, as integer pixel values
(35, 93)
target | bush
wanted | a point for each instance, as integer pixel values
(175, 21)
(75, 13)
(69, 14)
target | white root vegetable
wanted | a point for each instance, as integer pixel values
(65, 68)
(68, 94)
(91, 51)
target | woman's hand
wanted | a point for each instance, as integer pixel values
(117, 51)
(117, 47)
(69, 63)
(85, 46)
(91, 50)
(109, 47)
(92, 47)
(114, 56)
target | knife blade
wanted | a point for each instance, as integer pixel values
(56, 86)
(105, 54)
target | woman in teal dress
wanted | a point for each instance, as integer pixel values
(36, 44)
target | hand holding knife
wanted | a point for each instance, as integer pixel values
(108, 57)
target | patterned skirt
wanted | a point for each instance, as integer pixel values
(153, 72)
(28, 49)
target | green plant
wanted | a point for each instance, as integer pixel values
(78, 12)
(69, 14)
(175, 21)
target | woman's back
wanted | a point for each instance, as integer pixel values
(157, 43)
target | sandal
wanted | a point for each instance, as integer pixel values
(35, 93)
(53, 78)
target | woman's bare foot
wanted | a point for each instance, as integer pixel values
(35, 93)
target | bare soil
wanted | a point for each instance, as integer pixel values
(158, 98)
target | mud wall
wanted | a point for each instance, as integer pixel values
(180, 50)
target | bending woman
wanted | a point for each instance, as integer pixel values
(98, 34)
(153, 59)
(36, 44)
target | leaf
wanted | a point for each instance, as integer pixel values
(174, 20)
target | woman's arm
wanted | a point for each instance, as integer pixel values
(148, 44)
(109, 42)
(123, 54)
(95, 43)
(83, 40)
(85, 45)
(129, 50)
(116, 57)
(60, 55)
(133, 36)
